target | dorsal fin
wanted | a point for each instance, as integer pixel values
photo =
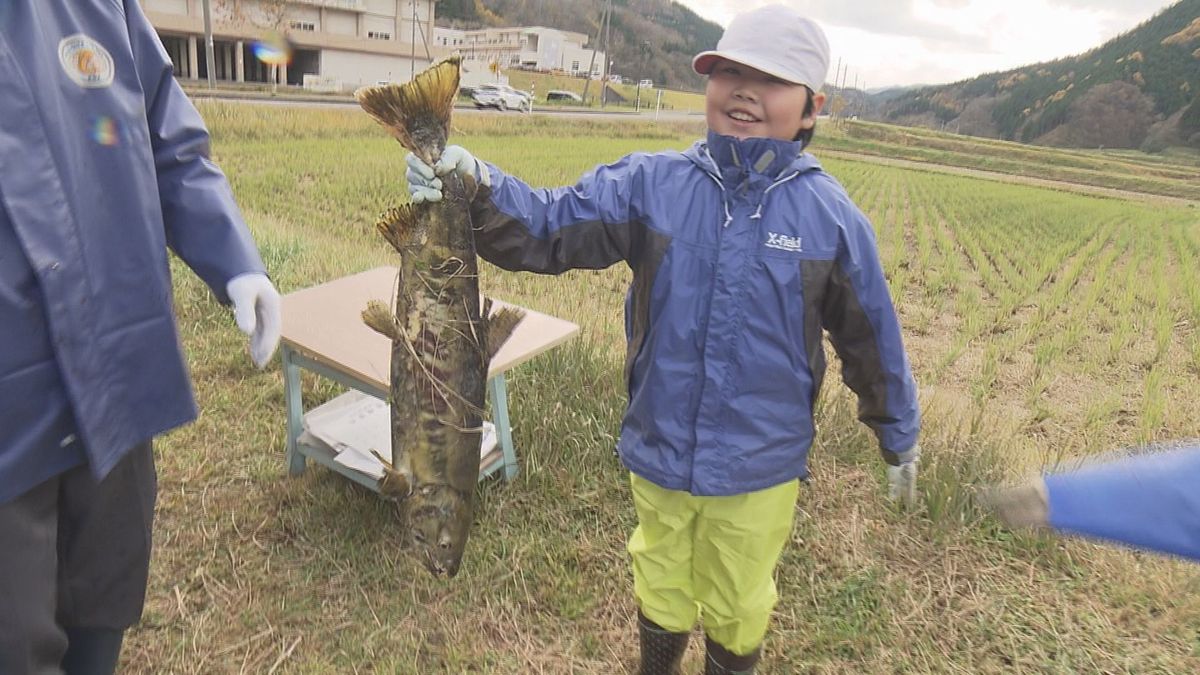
(401, 227)
(500, 327)
(379, 317)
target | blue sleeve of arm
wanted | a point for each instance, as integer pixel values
(549, 231)
(1149, 501)
(203, 224)
(863, 327)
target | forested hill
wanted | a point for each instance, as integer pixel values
(653, 39)
(1140, 89)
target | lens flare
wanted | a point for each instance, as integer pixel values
(274, 49)
(104, 131)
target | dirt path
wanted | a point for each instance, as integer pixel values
(1009, 178)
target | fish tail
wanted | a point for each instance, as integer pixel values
(500, 327)
(416, 113)
(379, 317)
(400, 227)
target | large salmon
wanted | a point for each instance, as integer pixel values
(443, 336)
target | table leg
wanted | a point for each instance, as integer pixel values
(295, 410)
(499, 391)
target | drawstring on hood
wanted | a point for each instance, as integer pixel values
(750, 167)
(717, 179)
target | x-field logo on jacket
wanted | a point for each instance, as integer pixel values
(85, 61)
(783, 242)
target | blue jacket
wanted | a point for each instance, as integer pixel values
(742, 252)
(1149, 501)
(103, 165)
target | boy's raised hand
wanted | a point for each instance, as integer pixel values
(423, 182)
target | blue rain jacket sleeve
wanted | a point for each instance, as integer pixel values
(549, 231)
(203, 224)
(863, 327)
(1148, 501)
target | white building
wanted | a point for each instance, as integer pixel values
(534, 48)
(336, 44)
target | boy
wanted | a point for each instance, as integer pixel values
(742, 251)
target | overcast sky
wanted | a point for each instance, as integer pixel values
(901, 42)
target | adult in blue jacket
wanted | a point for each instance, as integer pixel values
(103, 166)
(743, 251)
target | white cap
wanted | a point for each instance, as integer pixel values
(776, 40)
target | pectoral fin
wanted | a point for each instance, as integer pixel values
(396, 482)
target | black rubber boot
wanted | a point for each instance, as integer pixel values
(662, 650)
(92, 651)
(721, 661)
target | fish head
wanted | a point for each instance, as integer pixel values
(439, 521)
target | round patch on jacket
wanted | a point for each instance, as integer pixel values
(86, 61)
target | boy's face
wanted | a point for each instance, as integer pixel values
(745, 103)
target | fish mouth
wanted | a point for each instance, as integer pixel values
(439, 570)
(437, 567)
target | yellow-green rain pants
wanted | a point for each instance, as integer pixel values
(710, 557)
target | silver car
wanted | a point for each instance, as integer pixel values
(500, 97)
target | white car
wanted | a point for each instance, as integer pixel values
(500, 97)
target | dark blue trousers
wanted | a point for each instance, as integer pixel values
(74, 561)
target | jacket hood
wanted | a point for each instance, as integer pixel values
(748, 169)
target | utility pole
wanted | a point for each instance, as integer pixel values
(208, 44)
(842, 90)
(595, 45)
(854, 88)
(607, 51)
(412, 59)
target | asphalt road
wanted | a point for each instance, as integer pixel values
(664, 115)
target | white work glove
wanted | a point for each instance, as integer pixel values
(423, 182)
(258, 312)
(1025, 505)
(902, 482)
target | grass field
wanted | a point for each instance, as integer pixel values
(1042, 325)
(1176, 175)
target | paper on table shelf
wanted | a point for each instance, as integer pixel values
(354, 424)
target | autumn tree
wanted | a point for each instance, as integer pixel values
(1112, 115)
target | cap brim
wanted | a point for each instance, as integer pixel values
(704, 62)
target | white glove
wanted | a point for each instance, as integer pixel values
(258, 312)
(423, 182)
(1022, 506)
(902, 482)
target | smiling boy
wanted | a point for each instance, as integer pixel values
(743, 251)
